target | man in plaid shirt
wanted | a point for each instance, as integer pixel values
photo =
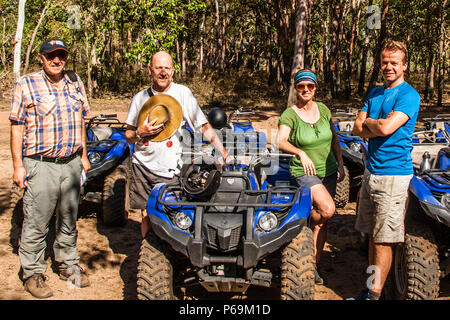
(48, 146)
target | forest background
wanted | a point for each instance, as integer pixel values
(233, 52)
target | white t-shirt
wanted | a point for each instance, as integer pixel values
(164, 158)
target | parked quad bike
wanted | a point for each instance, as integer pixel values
(250, 230)
(354, 151)
(236, 126)
(424, 258)
(107, 180)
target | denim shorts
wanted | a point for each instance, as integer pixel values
(329, 182)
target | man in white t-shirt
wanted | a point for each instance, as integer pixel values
(156, 162)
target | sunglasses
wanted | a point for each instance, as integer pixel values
(61, 54)
(302, 86)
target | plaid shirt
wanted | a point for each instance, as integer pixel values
(52, 116)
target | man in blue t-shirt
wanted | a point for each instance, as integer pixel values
(387, 118)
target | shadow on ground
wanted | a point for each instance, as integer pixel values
(344, 264)
(124, 240)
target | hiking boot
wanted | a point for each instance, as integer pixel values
(37, 287)
(76, 275)
(318, 279)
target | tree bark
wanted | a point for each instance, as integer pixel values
(201, 30)
(33, 36)
(299, 49)
(356, 12)
(442, 23)
(18, 39)
(377, 51)
(362, 72)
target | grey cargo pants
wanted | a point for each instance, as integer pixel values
(52, 188)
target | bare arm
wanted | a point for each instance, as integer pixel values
(336, 147)
(360, 129)
(84, 158)
(16, 142)
(286, 146)
(210, 135)
(385, 127)
(130, 134)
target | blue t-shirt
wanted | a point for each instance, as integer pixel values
(391, 155)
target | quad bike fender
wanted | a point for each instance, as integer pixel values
(111, 160)
(431, 206)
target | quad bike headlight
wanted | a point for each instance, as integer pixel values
(94, 157)
(446, 200)
(182, 221)
(268, 222)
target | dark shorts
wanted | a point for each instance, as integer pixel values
(142, 182)
(329, 182)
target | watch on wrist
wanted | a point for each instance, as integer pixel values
(138, 136)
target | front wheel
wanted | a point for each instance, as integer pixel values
(155, 271)
(297, 267)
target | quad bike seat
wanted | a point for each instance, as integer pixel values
(100, 133)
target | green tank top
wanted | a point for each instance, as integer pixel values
(314, 139)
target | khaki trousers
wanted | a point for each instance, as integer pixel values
(52, 188)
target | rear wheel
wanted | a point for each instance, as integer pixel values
(297, 267)
(343, 190)
(415, 269)
(155, 271)
(115, 193)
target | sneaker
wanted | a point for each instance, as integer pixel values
(366, 295)
(37, 287)
(76, 275)
(318, 276)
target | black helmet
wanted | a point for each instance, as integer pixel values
(201, 178)
(217, 117)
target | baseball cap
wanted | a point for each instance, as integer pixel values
(53, 44)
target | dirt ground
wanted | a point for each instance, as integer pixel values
(110, 254)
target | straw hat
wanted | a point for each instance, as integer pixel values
(167, 110)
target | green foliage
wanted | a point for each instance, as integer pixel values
(117, 37)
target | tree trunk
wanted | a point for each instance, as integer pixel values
(33, 36)
(356, 12)
(377, 51)
(442, 23)
(3, 56)
(328, 77)
(362, 73)
(201, 29)
(18, 39)
(183, 56)
(299, 49)
(88, 71)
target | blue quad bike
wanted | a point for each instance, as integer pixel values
(354, 151)
(424, 258)
(226, 228)
(237, 124)
(107, 180)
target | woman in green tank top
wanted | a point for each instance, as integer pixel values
(306, 130)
